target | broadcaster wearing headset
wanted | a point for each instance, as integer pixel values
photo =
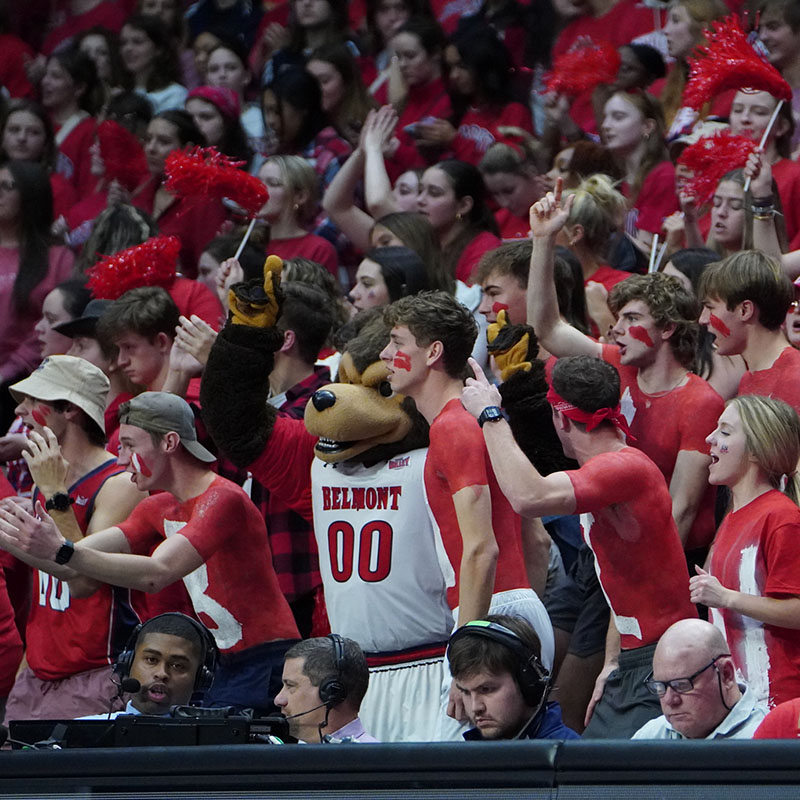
(172, 656)
(324, 681)
(495, 665)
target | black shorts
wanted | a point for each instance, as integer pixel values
(579, 607)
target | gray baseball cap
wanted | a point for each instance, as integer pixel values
(162, 412)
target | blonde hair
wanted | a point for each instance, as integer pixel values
(701, 13)
(772, 437)
(523, 157)
(300, 178)
(599, 209)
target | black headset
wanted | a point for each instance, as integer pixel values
(531, 676)
(332, 690)
(205, 672)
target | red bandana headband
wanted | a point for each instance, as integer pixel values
(612, 415)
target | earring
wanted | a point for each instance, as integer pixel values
(458, 216)
(296, 206)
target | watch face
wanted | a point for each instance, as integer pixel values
(490, 414)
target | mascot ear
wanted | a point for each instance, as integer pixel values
(347, 370)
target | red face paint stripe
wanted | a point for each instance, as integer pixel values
(39, 417)
(498, 307)
(640, 333)
(402, 361)
(717, 323)
(140, 465)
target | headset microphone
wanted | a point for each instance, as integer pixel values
(129, 686)
(303, 713)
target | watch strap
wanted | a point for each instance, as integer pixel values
(60, 501)
(65, 552)
(491, 414)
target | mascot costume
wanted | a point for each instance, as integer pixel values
(355, 466)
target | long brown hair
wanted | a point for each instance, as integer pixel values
(701, 13)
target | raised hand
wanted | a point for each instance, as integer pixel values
(195, 336)
(478, 393)
(549, 215)
(759, 171)
(706, 589)
(47, 466)
(36, 535)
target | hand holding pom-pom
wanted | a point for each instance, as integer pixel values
(710, 159)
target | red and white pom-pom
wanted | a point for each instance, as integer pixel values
(205, 172)
(730, 62)
(122, 154)
(711, 158)
(152, 263)
(585, 66)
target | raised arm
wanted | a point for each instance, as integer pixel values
(377, 136)
(530, 493)
(105, 556)
(339, 200)
(547, 218)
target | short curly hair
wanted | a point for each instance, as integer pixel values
(437, 317)
(670, 304)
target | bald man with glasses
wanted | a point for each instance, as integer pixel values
(695, 680)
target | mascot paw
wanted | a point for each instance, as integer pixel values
(514, 347)
(257, 303)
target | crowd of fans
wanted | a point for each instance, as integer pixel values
(423, 176)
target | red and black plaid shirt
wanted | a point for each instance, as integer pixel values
(291, 538)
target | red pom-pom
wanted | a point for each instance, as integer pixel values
(152, 263)
(122, 154)
(730, 62)
(204, 172)
(712, 157)
(585, 66)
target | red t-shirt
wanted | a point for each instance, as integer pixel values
(477, 131)
(66, 635)
(192, 297)
(624, 22)
(638, 555)
(511, 226)
(14, 53)
(74, 160)
(472, 253)
(457, 458)
(108, 14)
(10, 641)
(783, 722)
(781, 380)
(663, 425)
(309, 246)
(235, 592)
(787, 179)
(608, 276)
(428, 100)
(194, 221)
(757, 551)
(657, 199)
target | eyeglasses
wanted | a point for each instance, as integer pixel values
(679, 685)
(7, 186)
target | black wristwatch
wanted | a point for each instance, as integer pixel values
(65, 552)
(60, 501)
(491, 414)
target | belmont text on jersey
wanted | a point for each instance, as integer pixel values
(358, 498)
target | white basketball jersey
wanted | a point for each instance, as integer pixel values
(383, 566)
